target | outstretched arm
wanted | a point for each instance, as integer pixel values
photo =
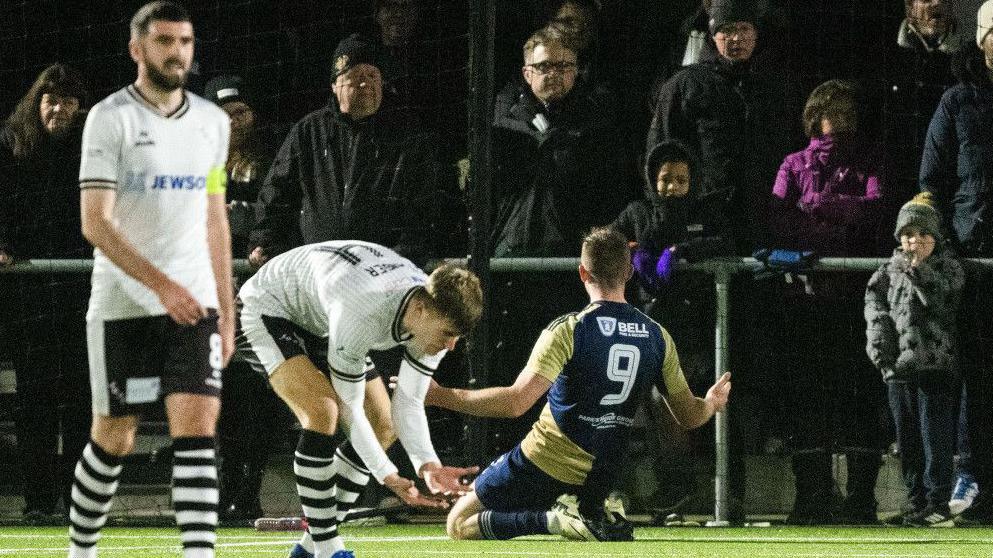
(691, 411)
(499, 402)
(411, 425)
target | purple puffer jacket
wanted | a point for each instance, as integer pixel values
(826, 198)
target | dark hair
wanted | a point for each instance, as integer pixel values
(24, 123)
(826, 98)
(607, 257)
(160, 10)
(455, 293)
(590, 9)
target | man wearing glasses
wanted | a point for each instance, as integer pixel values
(561, 165)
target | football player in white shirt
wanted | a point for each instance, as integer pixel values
(160, 325)
(309, 318)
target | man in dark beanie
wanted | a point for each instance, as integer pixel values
(353, 170)
(735, 117)
(724, 12)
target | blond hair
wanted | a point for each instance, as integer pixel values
(454, 292)
(548, 35)
(606, 257)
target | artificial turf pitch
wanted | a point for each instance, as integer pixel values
(430, 541)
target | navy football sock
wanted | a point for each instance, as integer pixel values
(507, 525)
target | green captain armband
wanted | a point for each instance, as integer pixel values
(217, 180)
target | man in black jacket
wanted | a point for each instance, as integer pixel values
(736, 118)
(560, 162)
(354, 170)
(561, 166)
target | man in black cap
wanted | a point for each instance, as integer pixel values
(353, 170)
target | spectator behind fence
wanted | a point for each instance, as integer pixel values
(734, 116)
(672, 218)
(249, 155)
(910, 306)
(955, 168)
(42, 315)
(249, 409)
(560, 165)
(354, 170)
(826, 198)
(916, 75)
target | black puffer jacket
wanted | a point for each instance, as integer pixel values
(375, 180)
(553, 184)
(910, 316)
(39, 215)
(691, 223)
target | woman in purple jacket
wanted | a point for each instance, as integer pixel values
(827, 199)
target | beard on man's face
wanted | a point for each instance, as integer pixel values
(166, 82)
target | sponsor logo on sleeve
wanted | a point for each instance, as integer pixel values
(134, 182)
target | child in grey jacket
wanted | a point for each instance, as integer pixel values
(910, 308)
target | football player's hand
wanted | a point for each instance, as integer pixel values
(449, 481)
(407, 491)
(179, 303)
(717, 395)
(5, 259)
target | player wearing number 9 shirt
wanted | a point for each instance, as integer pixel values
(595, 365)
(309, 317)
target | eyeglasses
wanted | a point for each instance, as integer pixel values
(547, 67)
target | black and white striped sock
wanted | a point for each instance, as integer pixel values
(195, 494)
(350, 478)
(93, 490)
(315, 485)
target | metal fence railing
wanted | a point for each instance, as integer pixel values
(721, 270)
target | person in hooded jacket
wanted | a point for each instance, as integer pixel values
(827, 199)
(673, 218)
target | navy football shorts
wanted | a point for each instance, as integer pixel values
(513, 483)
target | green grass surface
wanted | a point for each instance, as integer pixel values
(430, 541)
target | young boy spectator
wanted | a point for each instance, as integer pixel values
(910, 312)
(674, 222)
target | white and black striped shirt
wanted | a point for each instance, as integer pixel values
(355, 294)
